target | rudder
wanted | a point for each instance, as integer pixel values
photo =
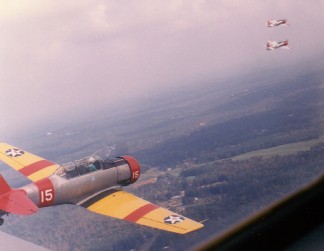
(4, 187)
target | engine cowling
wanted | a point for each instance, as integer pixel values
(134, 168)
(127, 167)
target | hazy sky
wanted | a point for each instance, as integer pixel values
(58, 57)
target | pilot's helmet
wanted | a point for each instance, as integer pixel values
(91, 160)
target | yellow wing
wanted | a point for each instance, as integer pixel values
(123, 205)
(33, 167)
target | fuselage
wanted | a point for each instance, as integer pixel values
(283, 43)
(75, 186)
(279, 22)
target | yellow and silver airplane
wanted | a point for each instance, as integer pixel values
(91, 182)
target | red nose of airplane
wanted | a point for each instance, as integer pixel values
(134, 167)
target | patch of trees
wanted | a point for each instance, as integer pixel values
(249, 133)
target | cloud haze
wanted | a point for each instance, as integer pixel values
(61, 56)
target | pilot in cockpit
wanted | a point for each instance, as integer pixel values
(91, 164)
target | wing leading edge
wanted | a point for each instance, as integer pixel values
(33, 167)
(126, 206)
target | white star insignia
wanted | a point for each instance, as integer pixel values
(173, 219)
(14, 152)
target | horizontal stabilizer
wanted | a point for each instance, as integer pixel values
(15, 201)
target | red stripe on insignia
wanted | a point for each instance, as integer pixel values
(140, 212)
(46, 192)
(34, 167)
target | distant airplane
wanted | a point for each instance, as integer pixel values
(274, 22)
(91, 182)
(271, 45)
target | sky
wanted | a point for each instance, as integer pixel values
(59, 58)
